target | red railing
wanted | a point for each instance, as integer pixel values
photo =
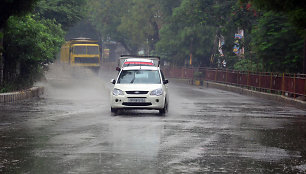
(290, 84)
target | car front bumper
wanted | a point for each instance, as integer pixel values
(147, 102)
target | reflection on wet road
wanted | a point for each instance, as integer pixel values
(71, 130)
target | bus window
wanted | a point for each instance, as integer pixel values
(79, 50)
(92, 50)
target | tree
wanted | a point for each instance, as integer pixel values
(28, 45)
(141, 24)
(30, 41)
(185, 30)
(295, 10)
(14, 7)
(133, 23)
(224, 16)
(65, 12)
(190, 33)
(248, 65)
(106, 16)
(7, 9)
(277, 44)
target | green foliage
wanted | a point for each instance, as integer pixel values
(65, 12)
(277, 44)
(240, 16)
(30, 40)
(142, 30)
(30, 43)
(106, 16)
(133, 23)
(7, 87)
(188, 33)
(294, 10)
(166, 7)
(248, 65)
(14, 7)
(1, 45)
(177, 29)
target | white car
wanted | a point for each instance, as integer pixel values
(140, 87)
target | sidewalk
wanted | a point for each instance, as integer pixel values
(283, 100)
(21, 95)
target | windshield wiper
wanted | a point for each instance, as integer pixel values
(133, 80)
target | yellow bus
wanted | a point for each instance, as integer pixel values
(81, 52)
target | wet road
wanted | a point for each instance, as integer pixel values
(71, 130)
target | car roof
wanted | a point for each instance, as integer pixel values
(140, 68)
(139, 59)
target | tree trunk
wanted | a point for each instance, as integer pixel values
(214, 49)
(1, 58)
(304, 64)
(190, 53)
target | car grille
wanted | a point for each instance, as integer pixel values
(136, 104)
(136, 92)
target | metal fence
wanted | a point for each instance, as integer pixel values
(286, 84)
(293, 85)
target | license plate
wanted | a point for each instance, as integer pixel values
(137, 100)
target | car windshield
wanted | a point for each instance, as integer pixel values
(139, 77)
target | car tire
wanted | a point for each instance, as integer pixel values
(114, 111)
(165, 109)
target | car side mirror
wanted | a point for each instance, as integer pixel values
(166, 81)
(118, 69)
(113, 81)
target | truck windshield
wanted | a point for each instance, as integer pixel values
(91, 50)
(139, 77)
(79, 50)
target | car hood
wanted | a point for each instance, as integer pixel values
(137, 87)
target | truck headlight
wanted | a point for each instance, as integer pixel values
(157, 92)
(117, 92)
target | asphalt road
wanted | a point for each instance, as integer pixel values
(71, 130)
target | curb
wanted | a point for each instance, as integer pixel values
(21, 95)
(274, 97)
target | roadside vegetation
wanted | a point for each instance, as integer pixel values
(31, 35)
(182, 32)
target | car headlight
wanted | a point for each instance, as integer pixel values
(157, 92)
(117, 92)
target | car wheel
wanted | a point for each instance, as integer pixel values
(165, 109)
(114, 111)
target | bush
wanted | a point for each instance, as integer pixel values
(28, 44)
(248, 65)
